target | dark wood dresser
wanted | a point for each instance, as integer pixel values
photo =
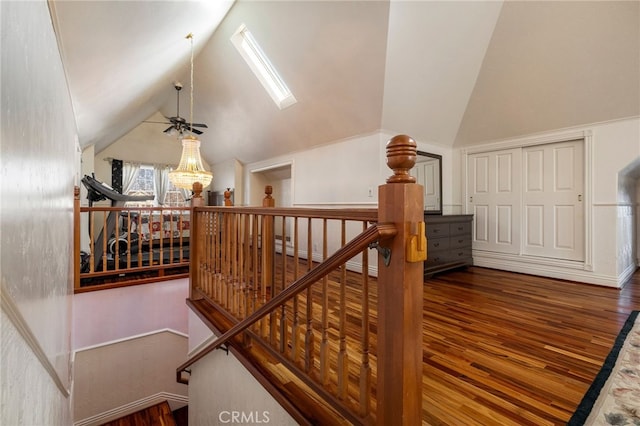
(448, 242)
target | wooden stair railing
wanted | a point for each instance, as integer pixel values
(320, 335)
(373, 234)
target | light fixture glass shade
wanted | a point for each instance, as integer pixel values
(190, 169)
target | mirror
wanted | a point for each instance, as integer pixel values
(428, 173)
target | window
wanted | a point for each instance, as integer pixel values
(143, 185)
(243, 40)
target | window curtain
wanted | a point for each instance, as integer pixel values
(161, 183)
(129, 173)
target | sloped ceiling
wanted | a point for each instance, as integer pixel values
(445, 72)
(553, 65)
(121, 58)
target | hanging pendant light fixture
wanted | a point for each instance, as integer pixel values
(190, 169)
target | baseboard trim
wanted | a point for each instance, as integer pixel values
(175, 401)
(571, 272)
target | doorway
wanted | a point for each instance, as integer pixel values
(279, 178)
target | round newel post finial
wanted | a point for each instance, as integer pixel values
(401, 157)
(268, 200)
(196, 198)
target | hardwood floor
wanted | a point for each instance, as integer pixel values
(511, 349)
(503, 349)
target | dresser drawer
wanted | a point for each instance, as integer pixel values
(461, 254)
(460, 228)
(437, 244)
(437, 230)
(460, 241)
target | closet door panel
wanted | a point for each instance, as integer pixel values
(553, 186)
(494, 199)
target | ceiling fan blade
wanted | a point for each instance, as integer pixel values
(196, 131)
(168, 129)
(199, 125)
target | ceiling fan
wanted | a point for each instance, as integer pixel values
(178, 124)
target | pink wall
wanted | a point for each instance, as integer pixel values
(110, 315)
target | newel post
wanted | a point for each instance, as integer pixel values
(227, 198)
(399, 388)
(196, 240)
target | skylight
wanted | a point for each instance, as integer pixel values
(243, 40)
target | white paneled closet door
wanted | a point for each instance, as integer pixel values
(553, 210)
(494, 183)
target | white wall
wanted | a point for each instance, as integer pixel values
(219, 385)
(128, 341)
(115, 314)
(342, 175)
(123, 377)
(38, 173)
(226, 175)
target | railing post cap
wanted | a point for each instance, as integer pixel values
(401, 157)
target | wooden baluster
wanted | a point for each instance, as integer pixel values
(365, 367)
(343, 357)
(92, 260)
(139, 228)
(198, 245)
(116, 245)
(169, 247)
(224, 262)
(235, 280)
(128, 239)
(283, 277)
(255, 262)
(161, 242)
(76, 237)
(217, 256)
(105, 239)
(295, 325)
(208, 250)
(399, 395)
(246, 273)
(246, 264)
(309, 338)
(324, 340)
(268, 259)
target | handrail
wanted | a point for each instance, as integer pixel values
(356, 245)
(364, 214)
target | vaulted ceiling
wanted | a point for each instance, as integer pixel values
(449, 73)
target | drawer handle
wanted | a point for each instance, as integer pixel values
(460, 241)
(460, 228)
(436, 230)
(436, 245)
